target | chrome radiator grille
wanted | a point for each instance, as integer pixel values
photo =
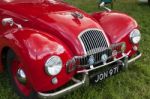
(93, 41)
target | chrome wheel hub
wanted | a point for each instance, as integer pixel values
(21, 76)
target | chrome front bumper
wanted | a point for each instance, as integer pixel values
(84, 81)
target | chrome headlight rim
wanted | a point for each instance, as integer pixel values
(135, 36)
(51, 65)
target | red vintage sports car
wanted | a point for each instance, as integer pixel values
(51, 48)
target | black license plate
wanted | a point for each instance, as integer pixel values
(100, 76)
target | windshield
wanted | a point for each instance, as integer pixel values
(23, 1)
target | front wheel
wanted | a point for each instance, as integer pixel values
(18, 78)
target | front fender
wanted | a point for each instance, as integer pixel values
(117, 27)
(33, 48)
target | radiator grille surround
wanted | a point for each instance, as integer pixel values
(93, 40)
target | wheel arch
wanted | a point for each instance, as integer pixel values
(4, 55)
(33, 48)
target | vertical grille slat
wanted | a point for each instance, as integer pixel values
(90, 41)
(97, 39)
(93, 41)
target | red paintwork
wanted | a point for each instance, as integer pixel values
(52, 30)
(26, 89)
(117, 26)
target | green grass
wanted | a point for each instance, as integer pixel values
(131, 84)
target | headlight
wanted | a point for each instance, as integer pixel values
(135, 36)
(53, 65)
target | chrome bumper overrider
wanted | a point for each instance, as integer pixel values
(85, 79)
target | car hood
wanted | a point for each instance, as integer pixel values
(58, 19)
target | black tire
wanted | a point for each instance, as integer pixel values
(10, 58)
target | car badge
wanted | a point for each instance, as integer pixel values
(77, 15)
(91, 60)
(104, 58)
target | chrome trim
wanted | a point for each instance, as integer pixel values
(82, 61)
(102, 4)
(90, 30)
(84, 81)
(57, 94)
(135, 58)
(47, 65)
(83, 71)
(131, 33)
(21, 76)
(11, 22)
(77, 14)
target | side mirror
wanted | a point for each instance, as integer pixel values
(103, 2)
(7, 21)
(10, 22)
